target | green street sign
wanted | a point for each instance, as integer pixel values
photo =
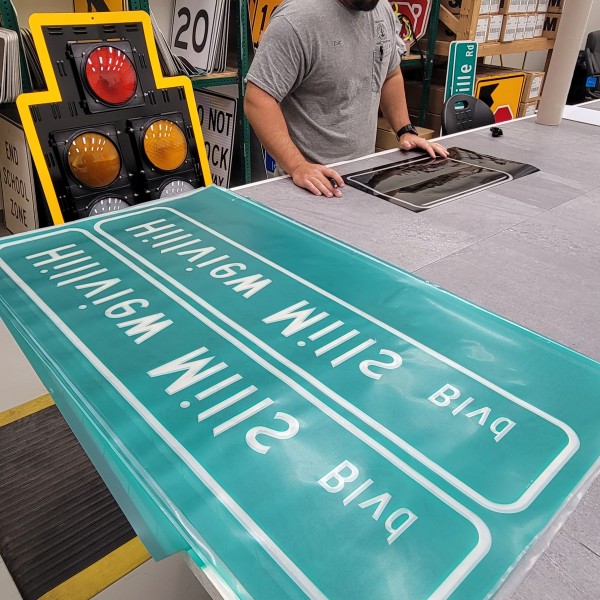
(343, 350)
(309, 420)
(462, 66)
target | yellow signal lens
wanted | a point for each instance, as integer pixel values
(165, 145)
(94, 160)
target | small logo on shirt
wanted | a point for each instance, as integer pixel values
(381, 31)
(335, 43)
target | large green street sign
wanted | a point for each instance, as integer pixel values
(310, 420)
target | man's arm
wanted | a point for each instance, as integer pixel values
(393, 106)
(269, 124)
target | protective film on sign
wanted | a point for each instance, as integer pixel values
(424, 182)
(307, 419)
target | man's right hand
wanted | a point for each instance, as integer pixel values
(318, 179)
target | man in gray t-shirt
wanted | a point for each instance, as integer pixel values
(323, 69)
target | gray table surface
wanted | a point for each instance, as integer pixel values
(528, 250)
(593, 105)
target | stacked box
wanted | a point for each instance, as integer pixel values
(495, 28)
(510, 7)
(555, 6)
(527, 109)
(521, 24)
(482, 29)
(551, 24)
(532, 89)
(530, 26)
(509, 28)
(542, 6)
(539, 25)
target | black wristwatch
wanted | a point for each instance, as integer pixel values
(406, 129)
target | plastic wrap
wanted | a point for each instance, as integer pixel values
(304, 418)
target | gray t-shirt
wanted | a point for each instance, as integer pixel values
(325, 64)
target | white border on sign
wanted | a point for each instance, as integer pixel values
(285, 563)
(518, 505)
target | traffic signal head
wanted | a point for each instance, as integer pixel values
(111, 131)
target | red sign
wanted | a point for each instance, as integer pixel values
(413, 14)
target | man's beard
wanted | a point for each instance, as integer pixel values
(365, 5)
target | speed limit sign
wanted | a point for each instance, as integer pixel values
(193, 32)
(260, 15)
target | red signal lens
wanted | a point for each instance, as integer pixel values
(93, 160)
(111, 75)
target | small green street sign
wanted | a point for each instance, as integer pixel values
(462, 65)
(310, 420)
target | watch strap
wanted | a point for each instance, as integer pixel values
(406, 129)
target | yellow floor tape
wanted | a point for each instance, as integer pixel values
(101, 574)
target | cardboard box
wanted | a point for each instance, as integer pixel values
(551, 25)
(485, 7)
(494, 6)
(527, 109)
(521, 24)
(509, 28)
(539, 26)
(386, 136)
(555, 6)
(542, 6)
(414, 91)
(532, 6)
(495, 28)
(530, 26)
(523, 6)
(482, 29)
(433, 122)
(534, 80)
(509, 6)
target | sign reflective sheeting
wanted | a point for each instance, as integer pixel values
(282, 398)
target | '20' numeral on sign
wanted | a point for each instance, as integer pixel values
(200, 15)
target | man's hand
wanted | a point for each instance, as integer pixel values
(410, 141)
(320, 180)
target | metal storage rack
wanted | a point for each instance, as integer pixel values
(230, 77)
(465, 25)
(427, 61)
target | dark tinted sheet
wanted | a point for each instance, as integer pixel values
(423, 182)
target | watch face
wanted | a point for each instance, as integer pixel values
(106, 205)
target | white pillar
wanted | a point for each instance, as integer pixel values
(566, 49)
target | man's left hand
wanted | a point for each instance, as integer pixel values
(410, 141)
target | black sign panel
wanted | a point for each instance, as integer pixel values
(424, 182)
